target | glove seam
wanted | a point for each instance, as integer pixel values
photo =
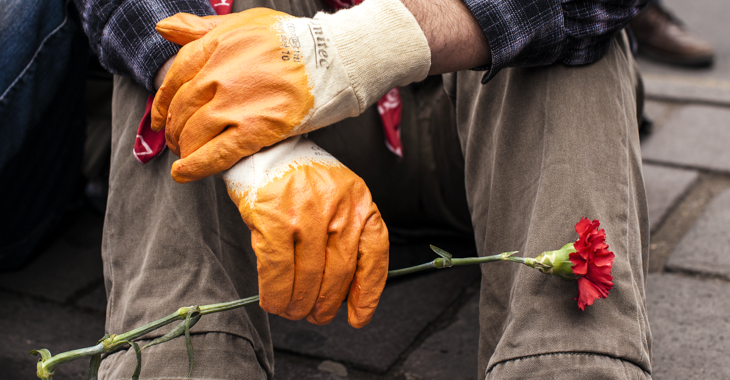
(334, 99)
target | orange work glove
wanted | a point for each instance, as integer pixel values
(245, 81)
(317, 234)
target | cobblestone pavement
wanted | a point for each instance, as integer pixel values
(58, 302)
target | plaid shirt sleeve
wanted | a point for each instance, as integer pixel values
(542, 32)
(122, 33)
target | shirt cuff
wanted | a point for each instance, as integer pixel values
(520, 32)
(130, 45)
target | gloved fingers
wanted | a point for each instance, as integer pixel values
(275, 265)
(192, 118)
(372, 271)
(219, 154)
(188, 62)
(339, 268)
(309, 263)
(183, 28)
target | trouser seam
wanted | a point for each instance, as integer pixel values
(37, 52)
(630, 201)
(572, 353)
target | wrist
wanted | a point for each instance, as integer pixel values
(160, 76)
(257, 170)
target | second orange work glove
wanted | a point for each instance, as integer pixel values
(248, 80)
(317, 235)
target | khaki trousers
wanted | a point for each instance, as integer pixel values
(515, 163)
(542, 148)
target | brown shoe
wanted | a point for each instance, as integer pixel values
(662, 37)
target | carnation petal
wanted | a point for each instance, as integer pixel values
(588, 292)
(585, 252)
(593, 261)
(580, 266)
(599, 245)
(604, 260)
(582, 226)
(601, 277)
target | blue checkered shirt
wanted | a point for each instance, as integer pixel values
(520, 32)
(542, 32)
(122, 33)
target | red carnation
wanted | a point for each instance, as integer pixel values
(592, 261)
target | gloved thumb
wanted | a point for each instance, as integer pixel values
(184, 28)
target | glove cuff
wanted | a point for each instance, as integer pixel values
(381, 46)
(255, 171)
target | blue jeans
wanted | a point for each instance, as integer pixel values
(43, 57)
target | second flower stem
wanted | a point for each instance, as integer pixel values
(115, 342)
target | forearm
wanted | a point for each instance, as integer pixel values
(456, 40)
(487, 35)
(160, 76)
(492, 35)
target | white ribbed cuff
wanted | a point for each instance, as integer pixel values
(380, 45)
(259, 169)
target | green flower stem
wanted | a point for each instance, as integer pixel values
(447, 262)
(506, 256)
(208, 309)
(113, 343)
(414, 269)
(139, 331)
(117, 342)
(49, 365)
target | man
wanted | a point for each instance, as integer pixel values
(544, 142)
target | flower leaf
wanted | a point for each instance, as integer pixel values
(94, 364)
(138, 353)
(40, 371)
(105, 337)
(505, 255)
(444, 261)
(441, 252)
(43, 352)
(188, 341)
(174, 333)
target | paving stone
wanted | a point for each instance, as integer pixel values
(335, 368)
(663, 187)
(690, 326)
(69, 264)
(680, 88)
(450, 353)
(29, 324)
(288, 369)
(695, 136)
(406, 307)
(656, 111)
(706, 247)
